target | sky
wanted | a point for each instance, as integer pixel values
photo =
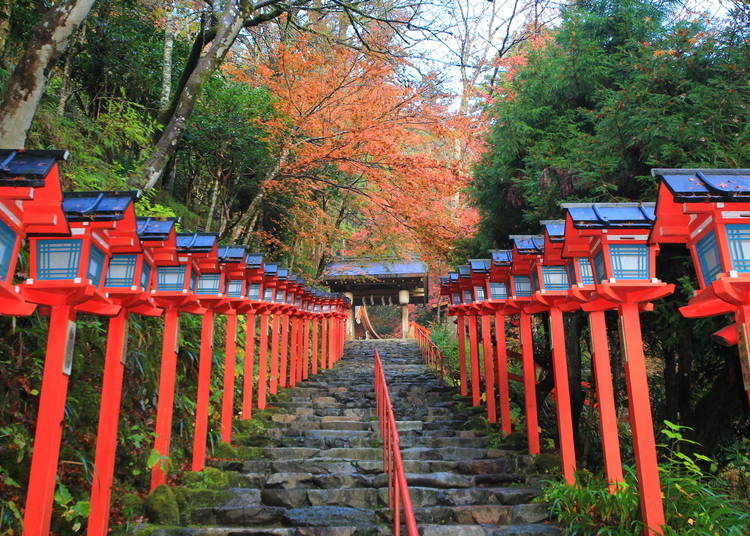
(438, 52)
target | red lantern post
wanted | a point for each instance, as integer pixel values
(266, 308)
(127, 282)
(176, 280)
(624, 267)
(480, 269)
(453, 291)
(525, 248)
(30, 203)
(576, 248)
(551, 286)
(707, 209)
(67, 275)
(466, 290)
(284, 293)
(498, 298)
(254, 286)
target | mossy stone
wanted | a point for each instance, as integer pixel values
(161, 506)
(203, 498)
(132, 505)
(208, 478)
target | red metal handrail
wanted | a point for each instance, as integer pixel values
(431, 353)
(398, 490)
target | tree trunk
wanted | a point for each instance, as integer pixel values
(197, 71)
(230, 25)
(254, 205)
(24, 89)
(212, 207)
(166, 70)
(6, 10)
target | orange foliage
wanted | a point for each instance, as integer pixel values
(347, 120)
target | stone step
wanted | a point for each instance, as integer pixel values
(487, 470)
(488, 530)
(482, 514)
(321, 471)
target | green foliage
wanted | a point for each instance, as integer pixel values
(696, 502)
(442, 336)
(619, 88)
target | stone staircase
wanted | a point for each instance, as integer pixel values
(322, 475)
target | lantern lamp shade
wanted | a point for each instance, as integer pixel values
(268, 294)
(738, 235)
(498, 291)
(584, 269)
(522, 286)
(234, 288)
(279, 296)
(208, 284)
(629, 261)
(468, 297)
(480, 294)
(456, 298)
(58, 259)
(453, 277)
(121, 271)
(8, 239)
(170, 278)
(254, 293)
(146, 275)
(555, 278)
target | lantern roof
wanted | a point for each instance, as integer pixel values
(611, 215)
(196, 242)
(383, 268)
(233, 254)
(270, 269)
(254, 261)
(96, 206)
(501, 257)
(480, 266)
(528, 244)
(464, 271)
(554, 229)
(444, 280)
(155, 229)
(27, 168)
(453, 276)
(706, 185)
(282, 273)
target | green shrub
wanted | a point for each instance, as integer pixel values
(696, 503)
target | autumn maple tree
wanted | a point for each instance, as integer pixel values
(348, 120)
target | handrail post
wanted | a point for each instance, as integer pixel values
(393, 464)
